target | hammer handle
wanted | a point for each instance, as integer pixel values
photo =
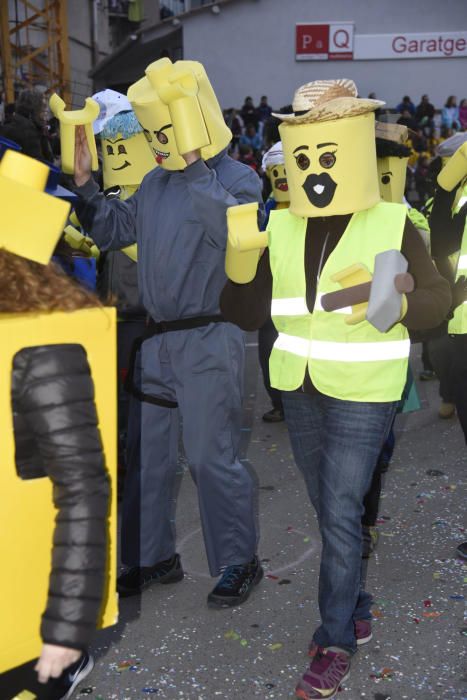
(351, 296)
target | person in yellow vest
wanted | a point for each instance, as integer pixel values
(57, 360)
(341, 378)
(448, 223)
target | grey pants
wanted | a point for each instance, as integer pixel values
(202, 370)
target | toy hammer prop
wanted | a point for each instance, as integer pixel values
(379, 298)
(69, 120)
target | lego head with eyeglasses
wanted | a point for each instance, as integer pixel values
(126, 157)
(179, 112)
(329, 150)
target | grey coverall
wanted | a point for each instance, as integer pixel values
(178, 220)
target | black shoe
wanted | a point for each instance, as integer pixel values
(427, 375)
(73, 675)
(136, 579)
(275, 415)
(462, 550)
(235, 585)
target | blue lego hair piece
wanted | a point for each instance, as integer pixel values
(124, 123)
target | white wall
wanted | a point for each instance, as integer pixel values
(249, 48)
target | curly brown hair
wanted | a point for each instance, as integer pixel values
(28, 286)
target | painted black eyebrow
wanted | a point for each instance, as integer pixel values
(322, 145)
(167, 126)
(116, 140)
(300, 148)
(388, 173)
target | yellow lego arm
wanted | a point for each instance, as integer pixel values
(69, 120)
(455, 169)
(178, 88)
(244, 243)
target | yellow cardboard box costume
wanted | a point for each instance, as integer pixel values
(179, 112)
(32, 222)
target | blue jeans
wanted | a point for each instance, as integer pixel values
(336, 445)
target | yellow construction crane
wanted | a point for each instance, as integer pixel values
(34, 46)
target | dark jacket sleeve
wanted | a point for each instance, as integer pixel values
(111, 223)
(430, 302)
(53, 392)
(249, 305)
(446, 230)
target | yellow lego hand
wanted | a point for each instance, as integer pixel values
(131, 251)
(25, 695)
(74, 219)
(178, 88)
(455, 169)
(77, 241)
(244, 243)
(69, 120)
(350, 277)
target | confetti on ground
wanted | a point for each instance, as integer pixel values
(275, 647)
(383, 674)
(431, 614)
(435, 472)
(284, 582)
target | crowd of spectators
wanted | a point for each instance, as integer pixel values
(255, 130)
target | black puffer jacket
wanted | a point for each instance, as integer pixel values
(56, 435)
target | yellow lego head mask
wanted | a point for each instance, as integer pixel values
(329, 150)
(126, 157)
(31, 221)
(179, 112)
(393, 155)
(274, 167)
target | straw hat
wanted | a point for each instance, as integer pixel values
(327, 100)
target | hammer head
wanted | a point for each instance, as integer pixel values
(385, 304)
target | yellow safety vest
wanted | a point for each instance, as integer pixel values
(458, 323)
(27, 513)
(355, 363)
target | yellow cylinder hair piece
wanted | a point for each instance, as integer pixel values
(331, 165)
(69, 120)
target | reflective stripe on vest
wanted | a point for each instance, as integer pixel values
(348, 362)
(297, 306)
(343, 352)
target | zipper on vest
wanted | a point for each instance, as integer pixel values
(318, 276)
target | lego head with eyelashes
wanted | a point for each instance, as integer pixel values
(150, 98)
(329, 150)
(274, 167)
(126, 157)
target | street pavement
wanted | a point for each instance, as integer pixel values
(168, 644)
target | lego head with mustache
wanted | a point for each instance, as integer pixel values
(329, 150)
(274, 167)
(126, 157)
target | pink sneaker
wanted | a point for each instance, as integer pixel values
(328, 669)
(362, 632)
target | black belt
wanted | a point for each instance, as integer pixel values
(156, 328)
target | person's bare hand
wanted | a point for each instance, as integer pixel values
(191, 156)
(82, 157)
(54, 660)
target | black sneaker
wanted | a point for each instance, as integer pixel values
(462, 550)
(136, 579)
(235, 585)
(74, 675)
(275, 415)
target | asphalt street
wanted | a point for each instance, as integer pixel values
(168, 644)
